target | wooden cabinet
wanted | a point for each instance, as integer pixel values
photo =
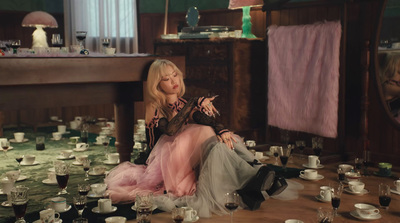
(232, 68)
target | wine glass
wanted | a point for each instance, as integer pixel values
(62, 176)
(105, 141)
(56, 40)
(336, 189)
(80, 203)
(384, 196)
(15, 44)
(106, 43)
(301, 145)
(324, 215)
(178, 215)
(284, 154)
(19, 200)
(358, 163)
(81, 36)
(83, 189)
(86, 168)
(317, 145)
(274, 151)
(19, 158)
(231, 202)
(5, 145)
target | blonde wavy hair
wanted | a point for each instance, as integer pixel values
(389, 67)
(156, 96)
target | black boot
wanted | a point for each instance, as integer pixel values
(262, 181)
(141, 160)
(252, 199)
(278, 186)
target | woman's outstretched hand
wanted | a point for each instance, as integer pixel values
(227, 138)
(207, 106)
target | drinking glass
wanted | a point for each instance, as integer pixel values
(178, 215)
(144, 204)
(341, 174)
(19, 200)
(274, 151)
(81, 36)
(83, 189)
(56, 40)
(105, 42)
(62, 175)
(384, 196)
(337, 189)
(19, 158)
(231, 202)
(358, 163)
(324, 215)
(80, 203)
(105, 141)
(291, 148)
(366, 163)
(317, 145)
(301, 145)
(15, 44)
(5, 145)
(284, 154)
(86, 168)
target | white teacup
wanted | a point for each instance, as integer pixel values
(74, 139)
(3, 140)
(104, 205)
(250, 143)
(6, 185)
(82, 146)
(13, 175)
(99, 170)
(356, 186)
(61, 128)
(99, 188)
(99, 139)
(325, 193)
(309, 173)
(73, 124)
(259, 155)
(346, 167)
(49, 215)
(81, 158)
(115, 219)
(29, 159)
(190, 214)
(59, 204)
(57, 135)
(110, 51)
(366, 210)
(66, 153)
(54, 118)
(113, 157)
(51, 175)
(19, 136)
(106, 130)
(313, 161)
(397, 185)
(111, 125)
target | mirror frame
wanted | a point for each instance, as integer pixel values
(376, 68)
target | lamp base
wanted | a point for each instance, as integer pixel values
(39, 38)
(246, 23)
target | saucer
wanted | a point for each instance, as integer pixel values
(48, 182)
(53, 139)
(39, 221)
(51, 169)
(14, 141)
(319, 177)
(379, 175)
(80, 150)
(66, 132)
(22, 177)
(110, 163)
(395, 191)
(71, 143)
(193, 220)
(65, 158)
(66, 209)
(313, 167)
(91, 194)
(98, 143)
(154, 207)
(364, 191)
(319, 198)
(9, 148)
(373, 217)
(1, 191)
(32, 164)
(91, 173)
(96, 210)
(76, 163)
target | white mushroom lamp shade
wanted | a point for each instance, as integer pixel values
(246, 20)
(40, 20)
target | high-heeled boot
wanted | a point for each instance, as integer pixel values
(262, 181)
(252, 199)
(278, 186)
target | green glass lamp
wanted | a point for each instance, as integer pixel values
(246, 19)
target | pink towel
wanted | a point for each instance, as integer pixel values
(303, 77)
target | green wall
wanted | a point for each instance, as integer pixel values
(50, 6)
(158, 6)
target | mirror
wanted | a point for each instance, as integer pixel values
(388, 71)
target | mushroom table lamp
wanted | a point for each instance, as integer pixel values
(246, 19)
(40, 20)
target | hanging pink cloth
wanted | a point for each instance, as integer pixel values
(303, 77)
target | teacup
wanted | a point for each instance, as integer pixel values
(259, 155)
(54, 118)
(106, 130)
(49, 215)
(61, 128)
(99, 188)
(110, 51)
(3, 140)
(59, 204)
(19, 136)
(13, 175)
(385, 169)
(66, 153)
(346, 167)
(29, 159)
(352, 176)
(397, 185)
(81, 158)
(309, 173)
(366, 210)
(78, 119)
(356, 186)
(99, 139)
(113, 157)
(99, 170)
(104, 205)
(115, 219)
(6, 185)
(313, 161)
(74, 139)
(250, 143)
(73, 124)
(190, 214)
(82, 146)
(51, 175)
(57, 135)
(111, 125)
(326, 193)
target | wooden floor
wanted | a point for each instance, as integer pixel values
(305, 207)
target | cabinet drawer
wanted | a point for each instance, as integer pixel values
(210, 74)
(170, 50)
(208, 52)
